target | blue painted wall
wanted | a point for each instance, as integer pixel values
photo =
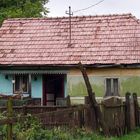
(6, 86)
(36, 86)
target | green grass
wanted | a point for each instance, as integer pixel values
(74, 134)
(31, 129)
(135, 135)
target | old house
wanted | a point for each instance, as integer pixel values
(38, 58)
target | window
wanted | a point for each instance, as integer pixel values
(112, 87)
(21, 83)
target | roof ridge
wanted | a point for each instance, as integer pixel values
(65, 17)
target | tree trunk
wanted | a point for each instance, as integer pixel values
(93, 102)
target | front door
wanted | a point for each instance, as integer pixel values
(53, 88)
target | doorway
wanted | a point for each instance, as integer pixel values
(53, 87)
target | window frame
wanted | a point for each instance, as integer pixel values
(112, 87)
(20, 84)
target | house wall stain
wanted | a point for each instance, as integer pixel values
(76, 85)
(130, 84)
(129, 80)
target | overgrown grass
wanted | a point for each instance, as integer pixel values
(31, 129)
(135, 135)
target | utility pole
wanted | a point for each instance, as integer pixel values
(70, 14)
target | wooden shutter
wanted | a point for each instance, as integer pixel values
(115, 87)
(108, 87)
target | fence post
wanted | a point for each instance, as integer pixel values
(24, 110)
(68, 101)
(80, 118)
(136, 106)
(91, 122)
(10, 114)
(127, 111)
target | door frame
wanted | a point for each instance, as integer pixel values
(44, 97)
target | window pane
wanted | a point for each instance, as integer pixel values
(17, 83)
(21, 83)
(108, 87)
(115, 87)
(24, 85)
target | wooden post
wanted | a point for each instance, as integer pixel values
(68, 101)
(91, 123)
(80, 118)
(132, 114)
(24, 109)
(93, 102)
(10, 114)
(136, 106)
(30, 79)
(127, 111)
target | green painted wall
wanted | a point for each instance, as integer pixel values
(6, 86)
(36, 86)
(130, 84)
(76, 85)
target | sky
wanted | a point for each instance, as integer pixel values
(58, 8)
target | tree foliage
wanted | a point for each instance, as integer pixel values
(22, 8)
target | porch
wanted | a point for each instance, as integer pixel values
(39, 87)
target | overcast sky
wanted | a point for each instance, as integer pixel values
(57, 8)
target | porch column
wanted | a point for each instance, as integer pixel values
(30, 85)
(13, 83)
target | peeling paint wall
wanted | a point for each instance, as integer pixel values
(130, 84)
(129, 80)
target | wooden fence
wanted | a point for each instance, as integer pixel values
(74, 116)
(54, 116)
(120, 116)
(33, 109)
(113, 110)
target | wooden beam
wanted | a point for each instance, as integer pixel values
(93, 102)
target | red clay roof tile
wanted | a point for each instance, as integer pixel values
(95, 40)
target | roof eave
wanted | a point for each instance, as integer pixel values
(67, 66)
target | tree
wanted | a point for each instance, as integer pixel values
(22, 9)
(92, 101)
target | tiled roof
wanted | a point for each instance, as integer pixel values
(110, 39)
